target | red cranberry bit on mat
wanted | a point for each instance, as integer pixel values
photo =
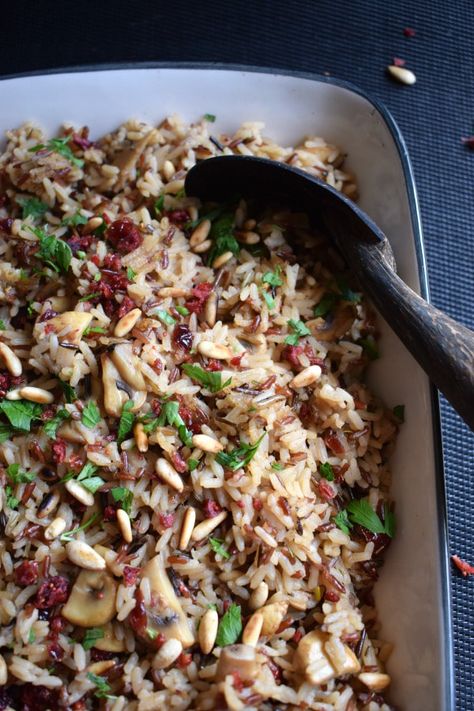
(461, 565)
(468, 141)
(409, 32)
(124, 235)
(54, 591)
(26, 573)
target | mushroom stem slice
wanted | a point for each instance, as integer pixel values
(241, 658)
(92, 599)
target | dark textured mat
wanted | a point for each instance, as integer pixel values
(354, 41)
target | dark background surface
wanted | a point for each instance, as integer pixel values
(352, 40)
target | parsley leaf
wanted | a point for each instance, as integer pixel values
(399, 412)
(5, 432)
(18, 476)
(209, 117)
(103, 687)
(222, 235)
(127, 419)
(21, 413)
(192, 464)
(123, 496)
(230, 627)
(325, 305)
(93, 330)
(361, 512)
(2, 325)
(91, 636)
(90, 415)
(52, 425)
(277, 466)
(182, 310)
(68, 535)
(170, 415)
(31, 636)
(53, 251)
(342, 521)
(239, 457)
(269, 300)
(273, 278)
(11, 501)
(217, 547)
(75, 220)
(299, 330)
(32, 207)
(60, 146)
(346, 293)
(131, 274)
(370, 347)
(70, 394)
(92, 484)
(211, 380)
(159, 204)
(326, 471)
(165, 317)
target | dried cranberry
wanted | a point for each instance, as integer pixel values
(236, 361)
(214, 365)
(58, 450)
(79, 243)
(126, 306)
(49, 313)
(6, 224)
(178, 217)
(54, 591)
(130, 575)
(462, 565)
(178, 462)
(113, 262)
(99, 655)
(257, 504)
(184, 660)
(211, 508)
(55, 651)
(6, 700)
(166, 520)
(331, 596)
(193, 418)
(124, 235)
(291, 353)
(138, 617)
(297, 636)
(38, 698)
(199, 295)
(182, 337)
(5, 384)
(27, 573)
(110, 513)
(237, 682)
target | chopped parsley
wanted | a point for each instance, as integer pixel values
(52, 425)
(222, 236)
(239, 457)
(123, 496)
(60, 146)
(370, 347)
(87, 478)
(277, 466)
(21, 413)
(326, 305)
(127, 419)
(342, 521)
(75, 220)
(299, 330)
(269, 300)
(159, 204)
(217, 547)
(91, 636)
(131, 274)
(165, 317)
(94, 330)
(88, 297)
(169, 415)
(209, 117)
(70, 394)
(54, 252)
(326, 471)
(230, 627)
(182, 310)
(6, 432)
(399, 412)
(31, 636)
(152, 634)
(211, 380)
(11, 501)
(90, 415)
(192, 464)
(361, 512)
(68, 535)
(32, 207)
(2, 325)
(346, 293)
(102, 686)
(273, 278)
(18, 476)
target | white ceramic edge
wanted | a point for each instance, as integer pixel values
(416, 229)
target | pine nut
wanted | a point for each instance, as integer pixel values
(207, 444)
(92, 224)
(169, 474)
(49, 503)
(272, 615)
(13, 394)
(375, 681)
(259, 596)
(126, 323)
(204, 528)
(265, 537)
(12, 362)
(101, 667)
(167, 654)
(173, 291)
(210, 310)
(207, 632)
(250, 224)
(168, 169)
(203, 247)
(214, 350)
(37, 395)
(253, 629)
(84, 556)
(248, 237)
(141, 438)
(306, 377)
(189, 519)
(123, 520)
(55, 528)
(3, 671)
(79, 493)
(222, 259)
(404, 76)
(200, 234)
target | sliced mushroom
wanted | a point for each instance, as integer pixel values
(126, 159)
(312, 659)
(70, 433)
(77, 321)
(241, 658)
(109, 642)
(375, 681)
(166, 616)
(92, 599)
(335, 327)
(273, 615)
(114, 398)
(128, 365)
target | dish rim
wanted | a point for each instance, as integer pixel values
(421, 264)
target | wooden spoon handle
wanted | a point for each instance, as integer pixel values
(443, 347)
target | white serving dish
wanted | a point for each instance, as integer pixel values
(413, 592)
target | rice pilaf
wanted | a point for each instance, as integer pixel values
(195, 481)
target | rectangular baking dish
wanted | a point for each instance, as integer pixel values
(413, 592)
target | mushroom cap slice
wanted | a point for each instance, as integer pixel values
(128, 365)
(109, 642)
(166, 616)
(92, 599)
(77, 321)
(241, 658)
